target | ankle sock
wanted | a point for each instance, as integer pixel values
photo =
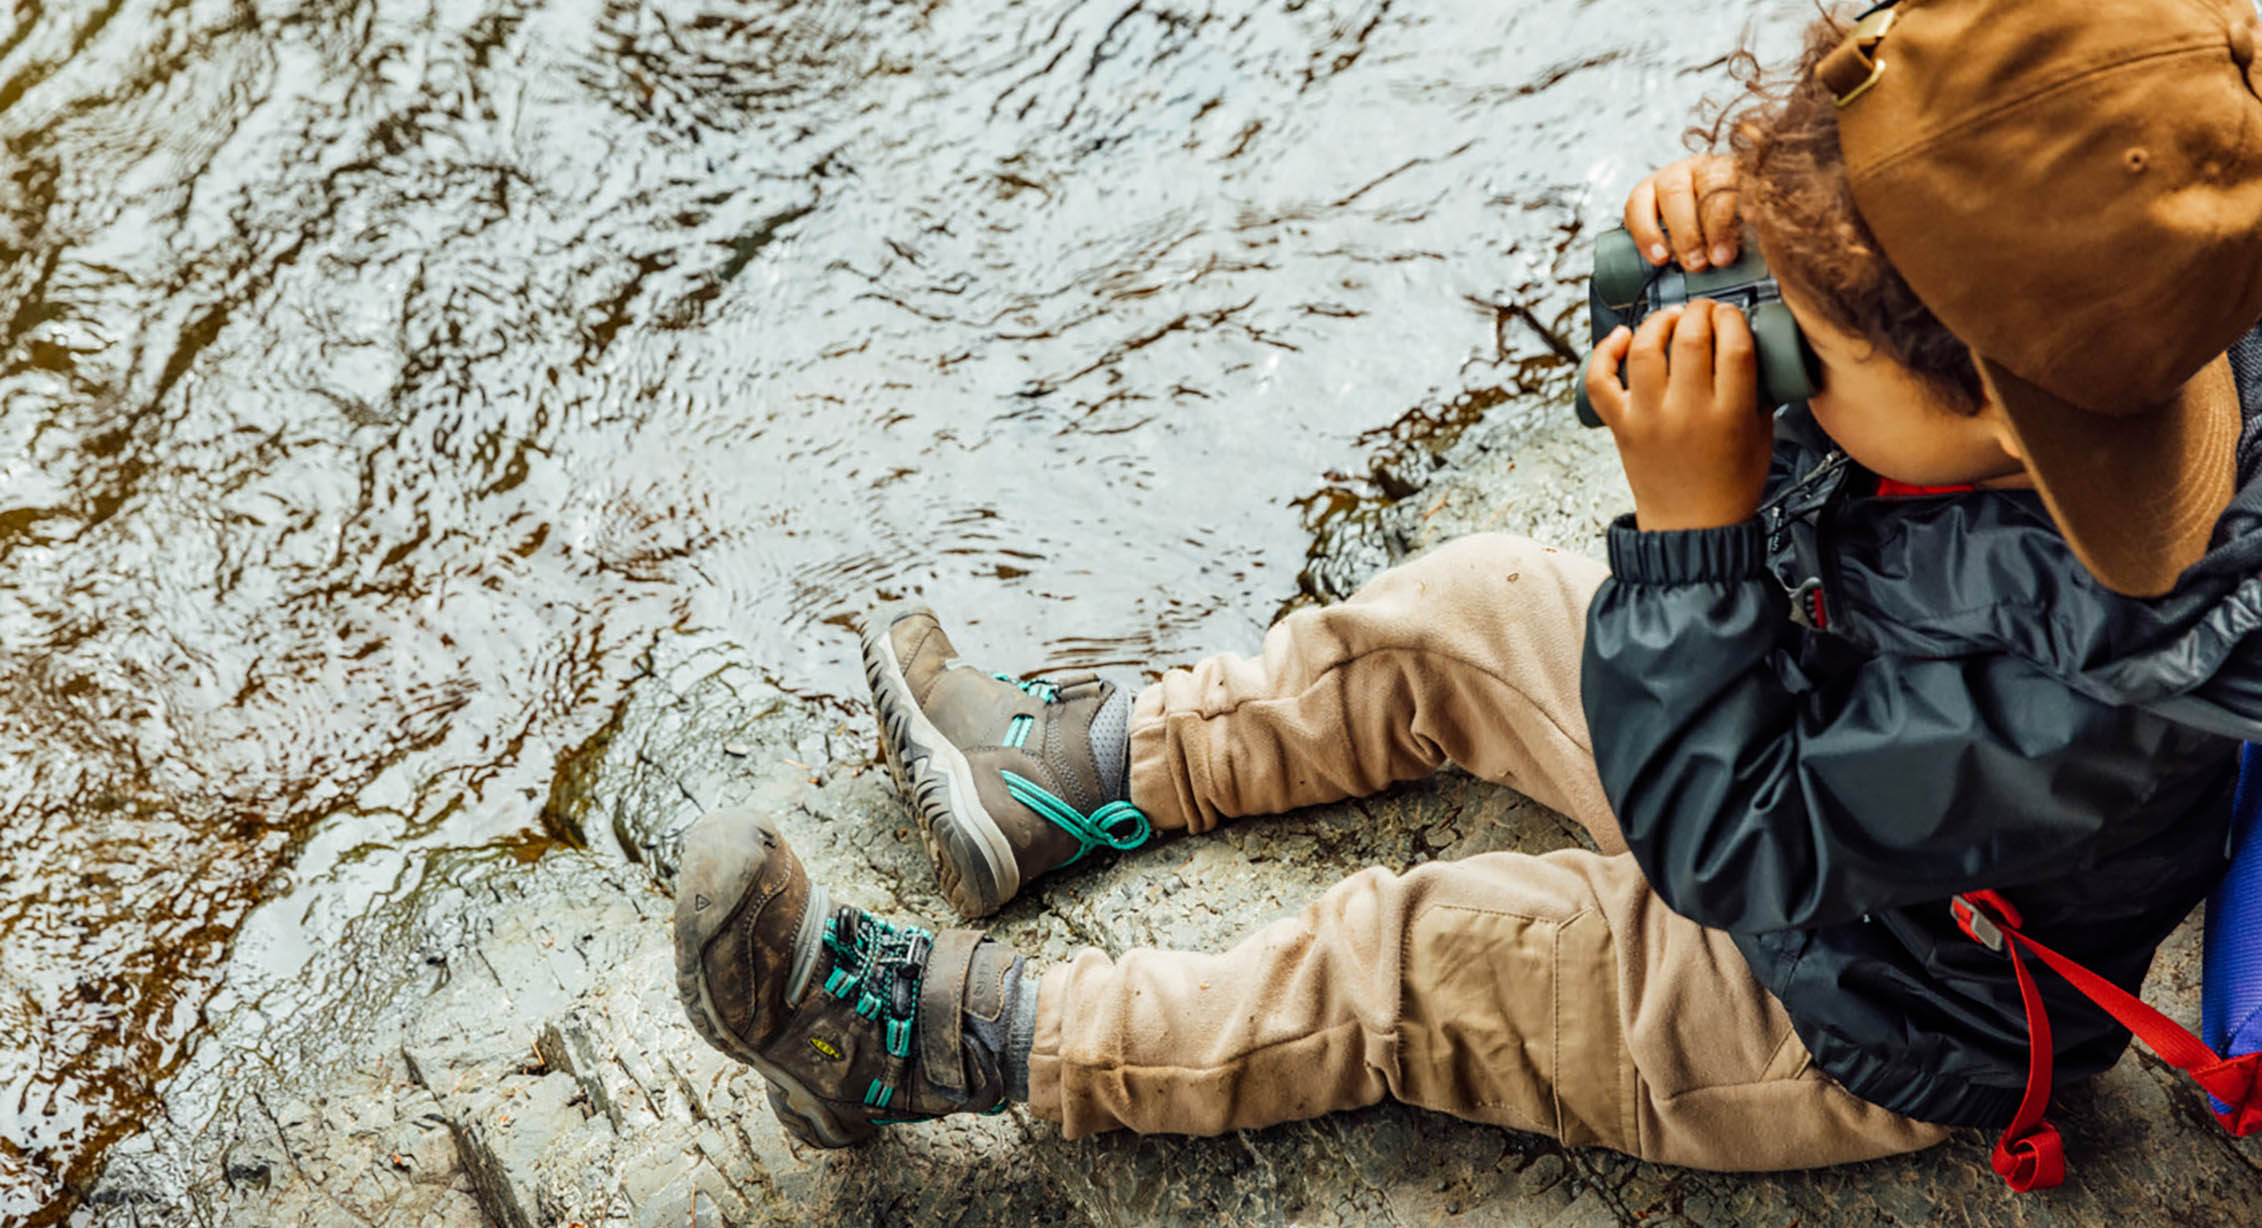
(1021, 1036)
(1111, 741)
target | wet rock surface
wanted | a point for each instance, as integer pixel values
(498, 1040)
(378, 378)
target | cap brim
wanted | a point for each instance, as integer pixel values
(2135, 494)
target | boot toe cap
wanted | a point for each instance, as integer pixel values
(724, 856)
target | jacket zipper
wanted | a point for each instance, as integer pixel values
(1810, 607)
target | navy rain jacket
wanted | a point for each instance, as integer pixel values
(1972, 711)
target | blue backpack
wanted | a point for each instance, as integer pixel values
(2227, 1063)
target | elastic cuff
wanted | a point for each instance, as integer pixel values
(1688, 556)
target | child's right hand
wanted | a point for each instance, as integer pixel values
(1688, 423)
(1687, 211)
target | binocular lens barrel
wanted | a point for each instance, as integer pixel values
(1626, 288)
(1621, 272)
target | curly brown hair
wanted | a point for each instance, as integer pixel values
(1782, 131)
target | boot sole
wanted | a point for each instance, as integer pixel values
(974, 861)
(723, 853)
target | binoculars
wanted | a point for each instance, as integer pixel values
(1626, 287)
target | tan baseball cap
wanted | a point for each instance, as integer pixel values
(2074, 187)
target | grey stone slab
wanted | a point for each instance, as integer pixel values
(499, 1041)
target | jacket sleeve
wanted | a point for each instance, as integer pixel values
(1755, 799)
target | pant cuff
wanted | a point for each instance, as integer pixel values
(1044, 1047)
(1154, 787)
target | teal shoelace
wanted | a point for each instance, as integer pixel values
(878, 966)
(1041, 689)
(1117, 825)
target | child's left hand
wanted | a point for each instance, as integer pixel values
(1687, 420)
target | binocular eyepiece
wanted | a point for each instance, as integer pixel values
(1626, 288)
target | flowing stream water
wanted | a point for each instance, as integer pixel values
(379, 377)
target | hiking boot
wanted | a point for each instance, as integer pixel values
(853, 1022)
(1008, 779)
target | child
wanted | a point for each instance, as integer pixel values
(2020, 238)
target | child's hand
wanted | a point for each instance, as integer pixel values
(1695, 202)
(1687, 421)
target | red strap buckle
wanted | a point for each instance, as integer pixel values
(1977, 924)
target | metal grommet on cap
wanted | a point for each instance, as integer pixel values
(1853, 66)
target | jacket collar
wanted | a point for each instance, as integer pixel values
(1988, 573)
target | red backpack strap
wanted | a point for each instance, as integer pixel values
(2030, 1155)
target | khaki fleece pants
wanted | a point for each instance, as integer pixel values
(1554, 994)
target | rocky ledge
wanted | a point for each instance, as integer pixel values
(491, 1037)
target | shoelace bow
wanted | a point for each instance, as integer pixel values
(1118, 825)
